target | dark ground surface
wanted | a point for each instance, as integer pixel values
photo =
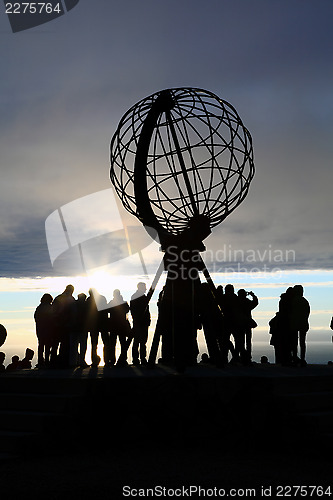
(108, 456)
(104, 473)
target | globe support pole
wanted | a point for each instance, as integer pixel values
(179, 326)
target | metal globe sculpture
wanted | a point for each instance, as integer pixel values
(197, 159)
(182, 161)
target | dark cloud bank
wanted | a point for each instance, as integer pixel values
(68, 84)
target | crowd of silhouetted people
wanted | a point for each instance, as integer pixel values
(226, 320)
(64, 324)
(17, 363)
(231, 326)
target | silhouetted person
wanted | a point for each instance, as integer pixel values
(284, 330)
(211, 320)
(44, 329)
(119, 327)
(2, 360)
(97, 314)
(299, 323)
(221, 333)
(205, 359)
(78, 331)
(25, 363)
(61, 308)
(230, 308)
(276, 338)
(92, 325)
(14, 365)
(164, 326)
(246, 305)
(219, 294)
(141, 320)
(264, 360)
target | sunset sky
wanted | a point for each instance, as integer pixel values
(66, 84)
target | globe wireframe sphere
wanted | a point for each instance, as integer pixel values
(215, 148)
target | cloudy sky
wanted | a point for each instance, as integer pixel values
(66, 84)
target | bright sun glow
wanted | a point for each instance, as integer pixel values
(102, 280)
(105, 283)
